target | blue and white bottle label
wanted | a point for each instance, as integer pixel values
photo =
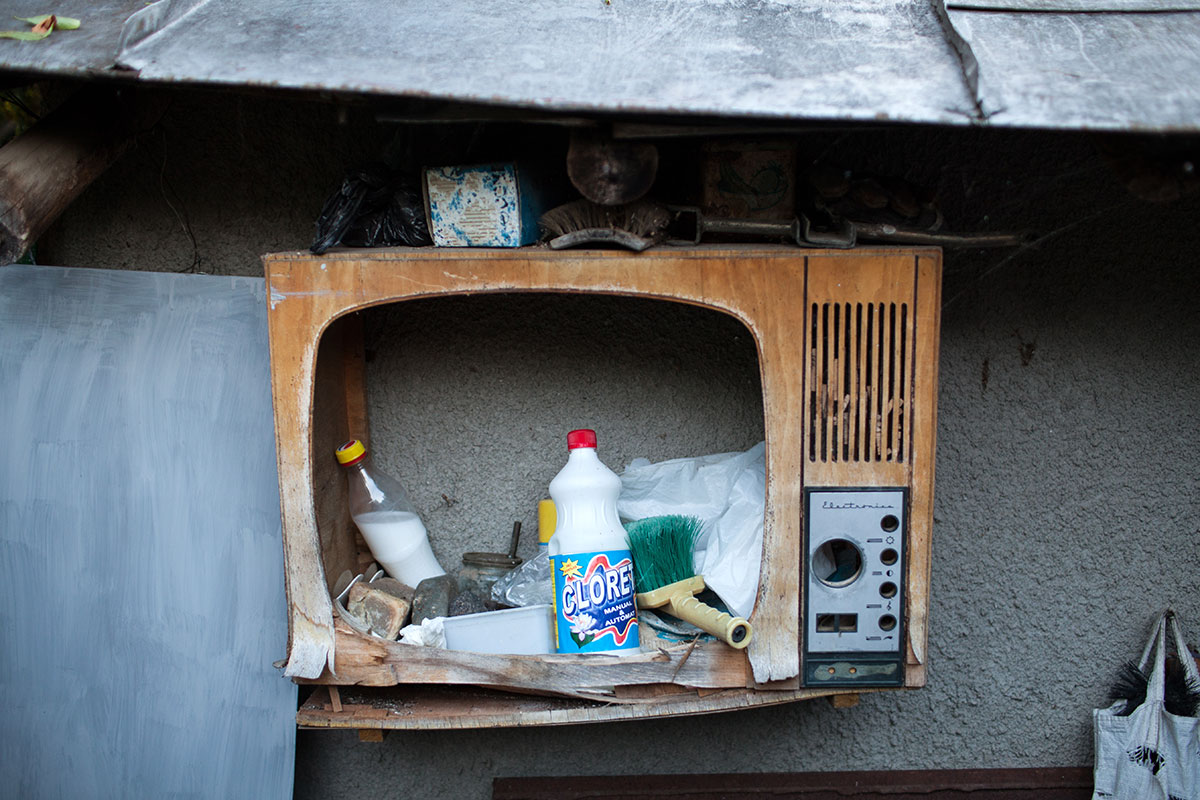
(593, 601)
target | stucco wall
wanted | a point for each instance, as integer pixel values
(1067, 505)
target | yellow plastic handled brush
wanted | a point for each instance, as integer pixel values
(662, 549)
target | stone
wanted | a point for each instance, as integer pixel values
(433, 598)
(382, 613)
(394, 588)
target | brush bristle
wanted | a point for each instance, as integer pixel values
(1181, 696)
(642, 218)
(1129, 686)
(662, 549)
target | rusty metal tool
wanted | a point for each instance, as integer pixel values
(690, 225)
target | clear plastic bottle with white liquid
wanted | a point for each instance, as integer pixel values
(592, 568)
(387, 520)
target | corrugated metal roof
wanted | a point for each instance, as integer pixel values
(736, 57)
(1114, 71)
(993, 62)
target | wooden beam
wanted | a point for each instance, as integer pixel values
(1039, 783)
(335, 699)
(43, 170)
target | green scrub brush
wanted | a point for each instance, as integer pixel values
(663, 574)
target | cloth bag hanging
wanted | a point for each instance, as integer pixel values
(1151, 754)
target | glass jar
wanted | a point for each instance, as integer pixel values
(481, 570)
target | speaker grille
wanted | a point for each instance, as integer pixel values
(859, 378)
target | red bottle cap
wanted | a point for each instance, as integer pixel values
(584, 437)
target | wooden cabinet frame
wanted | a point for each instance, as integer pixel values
(318, 384)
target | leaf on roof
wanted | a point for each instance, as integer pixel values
(42, 27)
(60, 23)
(24, 36)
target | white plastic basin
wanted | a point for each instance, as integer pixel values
(512, 631)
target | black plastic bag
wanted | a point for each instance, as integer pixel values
(374, 207)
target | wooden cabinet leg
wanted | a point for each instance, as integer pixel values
(843, 700)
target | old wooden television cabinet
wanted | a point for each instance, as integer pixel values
(847, 344)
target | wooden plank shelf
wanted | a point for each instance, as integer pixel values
(424, 707)
(370, 661)
(319, 392)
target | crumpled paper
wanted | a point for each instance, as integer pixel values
(429, 633)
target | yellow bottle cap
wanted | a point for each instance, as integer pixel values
(350, 452)
(547, 520)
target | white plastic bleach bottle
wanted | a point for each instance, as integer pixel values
(592, 568)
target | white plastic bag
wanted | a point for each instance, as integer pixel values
(728, 493)
(1151, 754)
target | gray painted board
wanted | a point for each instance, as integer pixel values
(141, 561)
